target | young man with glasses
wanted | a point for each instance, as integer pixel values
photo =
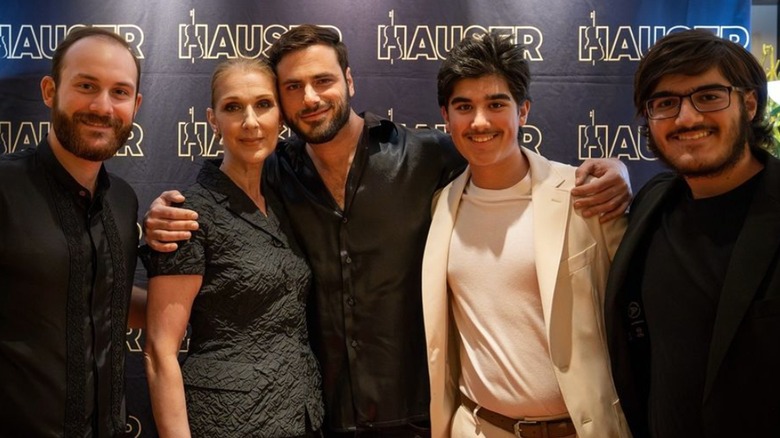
(693, 298)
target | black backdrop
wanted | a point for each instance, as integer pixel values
(582, 57)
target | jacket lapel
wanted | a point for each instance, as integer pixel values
(437, 255)
(551, 212)
(754, 251)
(233, 199)
(641, 217)
(436, 307)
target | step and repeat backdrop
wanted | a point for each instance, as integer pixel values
(582, 56)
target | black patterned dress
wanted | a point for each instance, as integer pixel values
(250, 371)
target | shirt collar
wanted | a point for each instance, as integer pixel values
(379, 127)
(65, 179)
(222, 188)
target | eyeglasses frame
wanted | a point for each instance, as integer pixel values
(730, 88)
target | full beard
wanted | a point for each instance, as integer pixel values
(709, 170)
(74, 142)
(326, 130)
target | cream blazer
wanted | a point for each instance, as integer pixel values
(573, 256)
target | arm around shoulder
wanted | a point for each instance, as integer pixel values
(603, 188)
(165, 223)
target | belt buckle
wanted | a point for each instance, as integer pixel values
(519, 430)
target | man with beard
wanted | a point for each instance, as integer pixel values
(692, 304)
(358, 190)
(68, 239)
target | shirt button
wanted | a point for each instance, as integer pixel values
(351, 301)
(354, 344)
(82, 193)
(348, 259)
(344, 220)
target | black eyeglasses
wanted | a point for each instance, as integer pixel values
(705, 101)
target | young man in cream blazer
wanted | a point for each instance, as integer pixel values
(513, 278)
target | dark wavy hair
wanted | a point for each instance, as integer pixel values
(481, 55)
(307, 35)
(693, 52)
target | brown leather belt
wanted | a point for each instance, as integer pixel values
(523, 428)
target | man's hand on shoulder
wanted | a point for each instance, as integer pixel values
(164, 225)
(603, 188)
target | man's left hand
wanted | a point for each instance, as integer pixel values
(603, 188)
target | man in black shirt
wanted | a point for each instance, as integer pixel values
(692, 301)
(68, 239)
(358, 190)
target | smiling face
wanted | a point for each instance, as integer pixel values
(484, 121)
(697, 144)
(94, 104)
(245, 114)
(314, 93)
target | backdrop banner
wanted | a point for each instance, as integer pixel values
(582, 55)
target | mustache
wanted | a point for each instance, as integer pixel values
(320, 106)
(96, 119)
(691, 129)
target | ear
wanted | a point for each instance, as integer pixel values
(750, 100)
(445, 115)
(48, 91)
(523, 110)
(138, 99)
(350, 82)
(212, 118)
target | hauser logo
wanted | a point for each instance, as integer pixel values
(227, 41)
(605, 141)
(432, 42)
(17, 136)
(39, 41)
(196, 139)
(598, 43)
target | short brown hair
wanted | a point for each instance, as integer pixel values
(87, 32)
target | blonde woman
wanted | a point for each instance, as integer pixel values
(241, 282)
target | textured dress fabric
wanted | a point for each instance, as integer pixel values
(250, 370)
